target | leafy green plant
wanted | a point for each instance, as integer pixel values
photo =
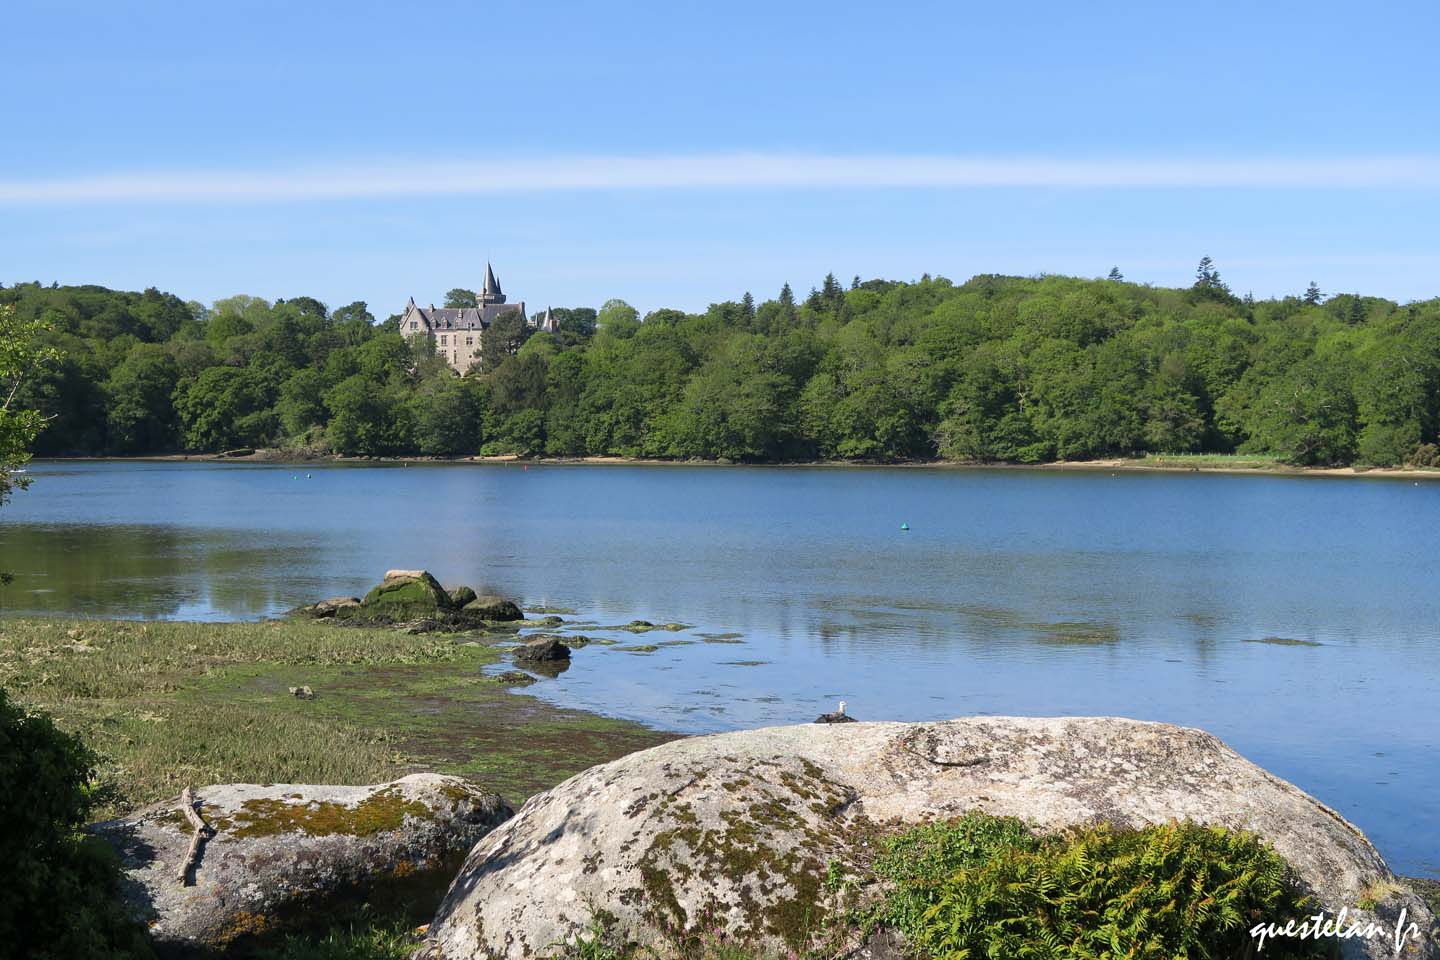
(59, 887)
(366, 939)
(985, 887)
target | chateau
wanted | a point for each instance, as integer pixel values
(456, 331)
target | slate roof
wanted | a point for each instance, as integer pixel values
(462, 318)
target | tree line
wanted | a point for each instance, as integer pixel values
(999, 368)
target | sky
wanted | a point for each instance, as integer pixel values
(677, 154)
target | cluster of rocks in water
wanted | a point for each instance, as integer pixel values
(415, 597)
(742, 828)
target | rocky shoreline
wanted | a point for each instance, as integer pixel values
(772, 838)
(767, 834)
(747, 830)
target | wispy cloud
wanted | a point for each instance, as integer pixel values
(719, 171)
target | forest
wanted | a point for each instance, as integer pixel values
(999, 368)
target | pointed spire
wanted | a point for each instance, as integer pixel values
(491, 293)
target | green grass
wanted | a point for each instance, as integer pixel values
(168, 704)
(1237, 461)
(361, 939)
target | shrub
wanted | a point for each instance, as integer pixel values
(984, 887)
(59, 888)
(1425, 455)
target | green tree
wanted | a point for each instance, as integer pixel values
(140, 416)
(1313, 296)
(460, 297)
(302, 402)
(449, 416)
(1307, 416)
(23, 355)
(502, 339)
(618, 318)
(365, 418)
(1208, 284)
(226, 407)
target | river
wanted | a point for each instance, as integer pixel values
(1298, 618)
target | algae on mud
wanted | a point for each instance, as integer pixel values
(174, 703)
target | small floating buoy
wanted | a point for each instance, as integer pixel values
(307, 476)
(904, 526)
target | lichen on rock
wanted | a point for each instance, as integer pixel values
(281, 853)
(744, 828)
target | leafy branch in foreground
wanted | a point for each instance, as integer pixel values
(23, 354)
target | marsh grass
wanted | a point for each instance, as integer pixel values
(1238, 461)
(167, 704)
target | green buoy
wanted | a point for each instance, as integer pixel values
(904, 526)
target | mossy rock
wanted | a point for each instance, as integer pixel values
(284, 857)
(753, 836)
(494, 608)
(414, 590)
(512, 678)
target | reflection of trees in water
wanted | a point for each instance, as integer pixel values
(141, 571)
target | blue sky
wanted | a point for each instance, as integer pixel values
(675, 154)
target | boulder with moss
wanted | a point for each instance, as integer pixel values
(459, 596)
(494, 608)
(748, 832)
(282, 855)
(414, 590)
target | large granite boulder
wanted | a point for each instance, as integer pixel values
(742, 827)
(281, 854)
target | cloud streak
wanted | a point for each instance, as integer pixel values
(729, 171)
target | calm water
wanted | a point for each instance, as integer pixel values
(1013, 592)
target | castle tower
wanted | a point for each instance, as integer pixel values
(492, 293)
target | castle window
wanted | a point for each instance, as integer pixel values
(414, 325)
(442, 339)
(469, 341)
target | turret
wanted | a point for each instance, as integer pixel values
(492, 293)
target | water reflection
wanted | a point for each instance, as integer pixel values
(1012, 592)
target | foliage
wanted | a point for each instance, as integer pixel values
(984, 886)
(364, 939)
(60, 888)
(996, 369)
(22, 354)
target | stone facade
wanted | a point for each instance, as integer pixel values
(456, 331)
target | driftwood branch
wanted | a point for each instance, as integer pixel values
(188, 805)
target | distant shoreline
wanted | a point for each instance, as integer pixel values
(1180, 464)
